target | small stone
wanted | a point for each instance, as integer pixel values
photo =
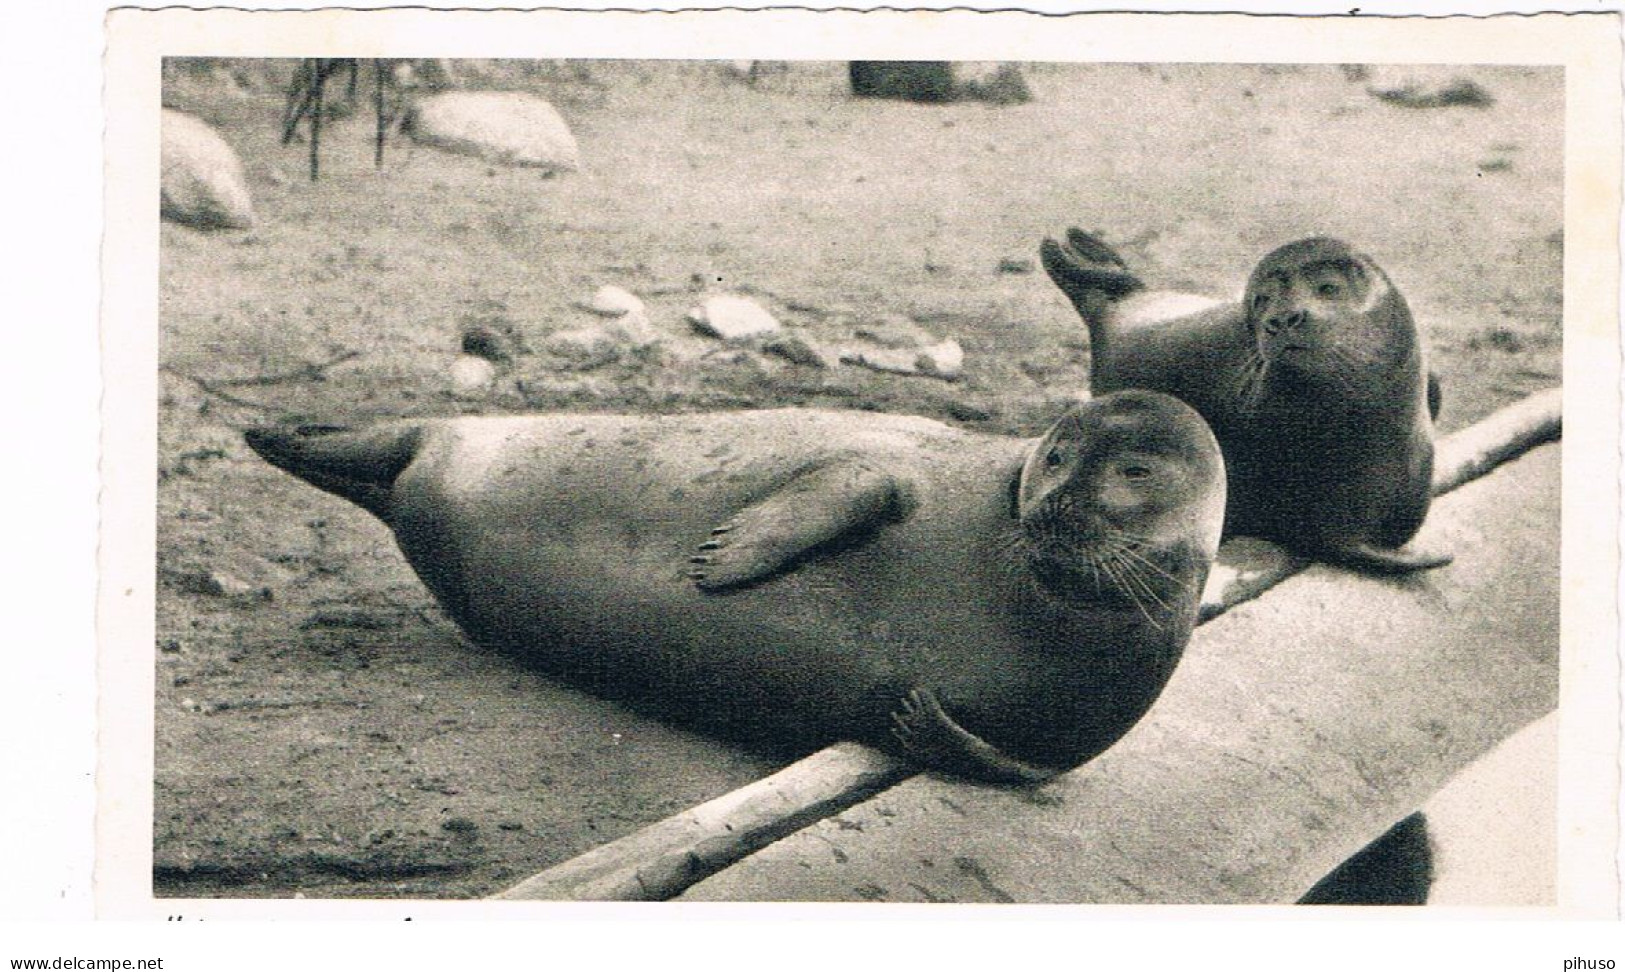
(492, 340)
(471, 373)
(613, 301)
(201, 181)
(945, 360)
(733, 318)
(218, 584)
(507, 127)
(1014, 265)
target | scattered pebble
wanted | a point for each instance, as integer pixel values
(201, 181)
(1013, 265)
(472, 373)
(613, 301)
(487, 341)
(944, 360)
(733, 318)
(506, 127)
(218, 584)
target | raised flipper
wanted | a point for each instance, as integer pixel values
(929, 734)
(1435, 396)
(1382, 560)
(1085, 265)
(839, 499)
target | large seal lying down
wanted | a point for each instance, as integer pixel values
(999, 607)
(1316, 385)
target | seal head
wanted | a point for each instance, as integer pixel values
(1319, 311)
(1118, 500)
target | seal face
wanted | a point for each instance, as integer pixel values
(1315, 384)
(1113, 502)
(999, 607)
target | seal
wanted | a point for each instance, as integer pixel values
(997, 607)
(1316, 385)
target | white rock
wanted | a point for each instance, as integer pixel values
(201, 181)
(944, 360)
(733, 318)
(471, 373)
(613, 301)
(509, 127)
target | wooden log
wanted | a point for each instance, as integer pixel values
(665, 855)
(661, 860)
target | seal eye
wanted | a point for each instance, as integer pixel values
(1136, 473)
(1053, 458)
(1329, 290)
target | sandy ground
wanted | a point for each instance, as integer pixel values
(323, 730)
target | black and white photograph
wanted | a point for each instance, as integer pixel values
(1159, 461)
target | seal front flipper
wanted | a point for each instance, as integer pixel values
(1382, 560)
(929, 734)
(831, 501)
(360, 465)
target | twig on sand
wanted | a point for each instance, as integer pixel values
(311, 371)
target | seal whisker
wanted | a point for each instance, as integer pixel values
(1150, 564)
(1114, 569)
(1137, 576)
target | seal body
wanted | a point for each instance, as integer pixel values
(1315, 384)
(799, 572)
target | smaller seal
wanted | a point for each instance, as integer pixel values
(1316, 385)
(996, 607)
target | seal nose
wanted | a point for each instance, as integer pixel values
(1292, 320)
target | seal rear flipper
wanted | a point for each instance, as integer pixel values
(1382, 560)
(360, 465)
(817, 509)
(930, 735)
(1089, 272)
